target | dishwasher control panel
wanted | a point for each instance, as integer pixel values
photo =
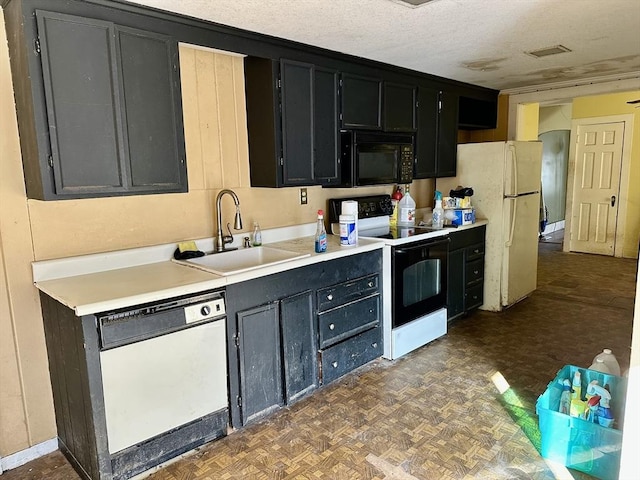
(205, 310)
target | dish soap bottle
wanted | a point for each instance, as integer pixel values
(257, 235)
(321, 234)
(437, 216)
(407, 209)
(395, 199)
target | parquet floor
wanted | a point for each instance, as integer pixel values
(435, 413)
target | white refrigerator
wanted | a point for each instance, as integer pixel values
(505, 177)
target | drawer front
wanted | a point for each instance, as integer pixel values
(476, 251)
(474, 297)
(343, 322)
(350, 354)
(474, 271)
(466, 237)
(335, 295)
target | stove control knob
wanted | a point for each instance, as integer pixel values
(205, 310)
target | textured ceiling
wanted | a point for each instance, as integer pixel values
(482, 42)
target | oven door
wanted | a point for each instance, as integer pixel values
(419, 277)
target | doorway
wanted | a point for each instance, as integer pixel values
(597, 185)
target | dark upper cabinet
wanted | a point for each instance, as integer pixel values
(478, 113)
(399, 107)
(437, 134)
(292, 122)
(446, 156)
(361, 102)
(326, 146)
(113, 111)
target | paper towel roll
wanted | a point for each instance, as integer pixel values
(350, 207)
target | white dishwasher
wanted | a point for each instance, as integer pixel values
(163, 365)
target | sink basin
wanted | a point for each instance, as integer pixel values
(243, 260)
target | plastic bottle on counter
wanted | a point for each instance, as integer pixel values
(321, 234)
(437, 216)
(599, 366)
(576, 408)
(257, 235)
(609, 360)
(407, 209)
(395, 199)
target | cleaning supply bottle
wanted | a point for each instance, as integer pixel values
(599, 366)
(565, 397)
(407, 209)
(609, 360)
(603, 413)
(437, 216)
(576, 407)
(395, 199)
(321, 234)
(257, 235)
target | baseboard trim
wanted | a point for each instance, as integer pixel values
(24, 456)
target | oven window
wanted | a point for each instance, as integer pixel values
(421, 281)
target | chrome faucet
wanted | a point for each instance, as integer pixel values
(222, 239)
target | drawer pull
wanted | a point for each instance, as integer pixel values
(334, 364)
(374, 344)
(477, 250)
(332, 326)
(370, 284)
(475, 272)
(329, 297)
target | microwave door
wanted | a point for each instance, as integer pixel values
(377, 164)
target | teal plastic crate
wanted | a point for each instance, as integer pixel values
(578, 443)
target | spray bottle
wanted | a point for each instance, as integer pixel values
(437, 216)
(603, 412)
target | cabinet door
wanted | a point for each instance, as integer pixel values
(426, 136)
(298, 345)
(447, 135)
(260, 366)
(326, 128)
(361, 102)
(113, 109)
(82, 94)
(399, 107)
(154, 154)
(297, 122)
(455, 283)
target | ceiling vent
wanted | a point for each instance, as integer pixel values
(413, 3)
(545, 52)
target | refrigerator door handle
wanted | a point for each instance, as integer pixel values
(512, 227)
(514, 169)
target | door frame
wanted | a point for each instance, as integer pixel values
(623, 196)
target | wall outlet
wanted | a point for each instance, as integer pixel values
(303, 196)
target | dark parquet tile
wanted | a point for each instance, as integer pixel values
(435, 413)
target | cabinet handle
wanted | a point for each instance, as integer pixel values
(332, 326)
(477, 250)
(374, 344)
(370, 284)
(329, 297)
(334, 364)
(475, 272)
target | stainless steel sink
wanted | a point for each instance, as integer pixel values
(243, 260)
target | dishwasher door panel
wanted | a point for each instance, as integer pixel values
(155, 385)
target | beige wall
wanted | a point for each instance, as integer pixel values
(217, 157)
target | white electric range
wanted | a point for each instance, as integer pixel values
(414, 268)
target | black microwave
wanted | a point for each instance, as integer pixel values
(376, 158)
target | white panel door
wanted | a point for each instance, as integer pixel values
(596, 188)
(520, 263)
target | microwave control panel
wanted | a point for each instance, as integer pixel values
(406, 164)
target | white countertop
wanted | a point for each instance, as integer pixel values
(90, 284)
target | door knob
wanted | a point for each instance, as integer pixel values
(613, 200)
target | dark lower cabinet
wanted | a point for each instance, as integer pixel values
(260, 361)
(465, 271)
(283, 342)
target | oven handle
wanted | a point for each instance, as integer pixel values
(422, 244)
